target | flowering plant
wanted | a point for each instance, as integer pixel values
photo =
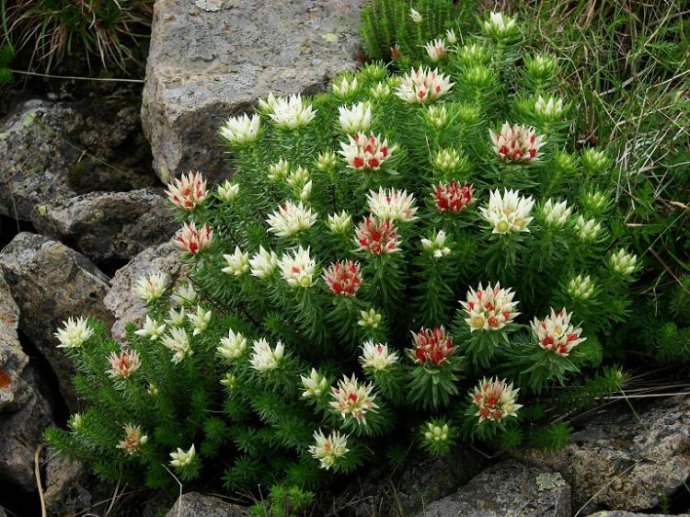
(403, 253)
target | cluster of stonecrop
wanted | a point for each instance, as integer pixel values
(401, 253)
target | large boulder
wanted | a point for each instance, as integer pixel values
(13, 360)
(422, 479)
(211, 59)
(508, 488)
(122, 301)
(22, 434)
(194, 504)
(60, 160)
(623, 460)
(50, 283)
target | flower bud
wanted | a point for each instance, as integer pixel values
(446, 160)
(478, 76)
(227, 191)
(415, 16)
(315, 385)
(472, 55)
(326, 161)
(555, 215)
(623, 263)
(436, 245)
(594, 201)
(588, 230)
(437, 115)
(580, 287)
(595, 161)
(370, 319)
(345, 87)
(279, 170)
(541, 67)
(339, 223)
(564, 162)
(500, 26)
(550, 109)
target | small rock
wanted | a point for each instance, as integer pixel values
(22, 434)
(194, 504)
(51, 282)
(214, 59)
(510, 489)
(121, 300)
(422, 479)
(625, 461)
(110, 225)
(65, 491)
(55, 152)
(617, 513)
(13, 360)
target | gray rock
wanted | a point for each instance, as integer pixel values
(422, 479)
(2, 512)
(13, 360)
(54, 153)
(617, 513)
(21, 435)
(211, 60)
(51, 282)
(121, 300)
(65, 491)
(194, 504)
(508, 489)
(625, 461)
(109, 225)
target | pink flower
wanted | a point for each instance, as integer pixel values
(192, 240)
(556, 334)
(133, 440)
(495, 400)
(516, 143)
(453, 197)
(364, 152)
(489, 309)
(377, 236)
(432, 346)
(188, 191)
(123, 364)
(343, 278)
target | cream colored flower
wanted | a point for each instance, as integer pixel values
(241, 129)
(74, 333)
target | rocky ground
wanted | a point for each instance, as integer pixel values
(83, 215)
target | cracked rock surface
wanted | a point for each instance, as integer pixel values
(211, 59)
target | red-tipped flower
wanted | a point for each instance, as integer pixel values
(343, 278)
(188, 191)
(453, 197)
(556, 334)
(377, 236)
(432, 346)
(365, 152)
(516, 143)
(193, 240)
(494, 400)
